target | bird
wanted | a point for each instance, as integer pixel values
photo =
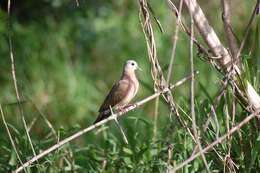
(122, 92)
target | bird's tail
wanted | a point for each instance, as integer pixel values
(102, 115)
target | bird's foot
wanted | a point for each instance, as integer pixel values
(122, 110)
(130, 105)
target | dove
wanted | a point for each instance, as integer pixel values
(122, 92)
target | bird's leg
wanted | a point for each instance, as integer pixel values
(121, 109)
(118, 125)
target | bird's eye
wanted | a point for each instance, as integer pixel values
(132, 64)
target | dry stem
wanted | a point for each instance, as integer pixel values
(219, 140)
(192, 97)
(14, 79)
(10, 135)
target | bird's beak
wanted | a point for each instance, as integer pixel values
(139, 68)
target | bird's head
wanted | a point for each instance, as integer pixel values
(131, 66)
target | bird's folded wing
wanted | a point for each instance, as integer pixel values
(116, 94)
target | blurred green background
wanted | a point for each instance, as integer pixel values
(68, 57)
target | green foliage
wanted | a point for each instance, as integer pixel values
(68, 57)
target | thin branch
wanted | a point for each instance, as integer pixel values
(218, 50)
(48, 123)
(94, 126)
(223, 63)
(10, 136)
(233, 116)
(156, 111)
(248, 29)
(192, 103)
(219, 140)
(118, 125)
(229, 163)
(155, 18)
(170, 153)
(156, 71)
(175, 39)
(208, 34)
(206, 55)
(14, 79)
(231, 39)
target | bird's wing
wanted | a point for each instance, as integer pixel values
(116, 94)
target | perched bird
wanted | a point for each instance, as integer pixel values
(122, 91)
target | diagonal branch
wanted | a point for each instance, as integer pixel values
(156, 71)
(219, 140)
(231, 39)
(175, 39)
(224, 60)
(208, 34)
(192, 97)
(94, 126)
(248, 28)
(13, 72)
(10, 136)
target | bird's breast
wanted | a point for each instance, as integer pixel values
(129, 96)
(131, 92)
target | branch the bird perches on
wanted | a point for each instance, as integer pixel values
(94, 126)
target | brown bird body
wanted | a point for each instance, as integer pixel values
(122, 91)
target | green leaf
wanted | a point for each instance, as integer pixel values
(127, 151)
(12, 160)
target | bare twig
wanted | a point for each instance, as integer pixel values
(201, 49)
(156, 111)
(233, 115)
(170, 152)
(94, 126)
(248, 95)
(175, 39)
(156, 71)
(45, 119)
(15, 81)
(219, 140)
(208, 34)
(227, 113)
(68, 157)
(155, 18)
(218, 50)
(232, 42)
(10, 136)
(248, 29)
(118, 125)
(192, 103)
(228, 161)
